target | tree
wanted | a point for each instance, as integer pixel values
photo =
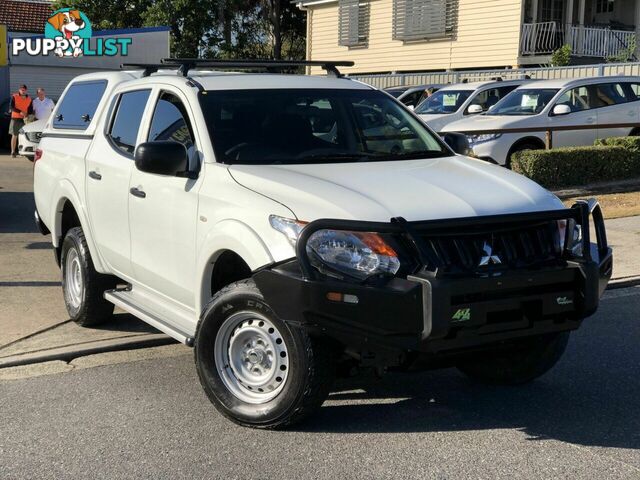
(208, 28)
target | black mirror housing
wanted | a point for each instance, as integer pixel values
(458, 142)
(162, 158)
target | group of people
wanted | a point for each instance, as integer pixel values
(25, 109)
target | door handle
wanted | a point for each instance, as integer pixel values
(136, 192)
(590, 120)
(95, 175)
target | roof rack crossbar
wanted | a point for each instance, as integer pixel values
(183, 65)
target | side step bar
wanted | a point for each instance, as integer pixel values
(122, 298)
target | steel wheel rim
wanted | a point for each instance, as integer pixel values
(74, 282)
(252, 357)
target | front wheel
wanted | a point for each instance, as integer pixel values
(523, 362)
(258, 370)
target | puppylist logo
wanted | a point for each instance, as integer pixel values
(68, 33)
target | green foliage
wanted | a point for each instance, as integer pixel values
(562, 56)
(572, 166)
(630, 143)
(627, 54)
(209, 28)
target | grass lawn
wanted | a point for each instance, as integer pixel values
(614, 205)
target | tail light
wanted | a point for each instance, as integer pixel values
(37, 156)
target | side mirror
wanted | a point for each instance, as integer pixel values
(561, 110)
(411, 107)
(162, 158)
(458, 142)
(474, 109)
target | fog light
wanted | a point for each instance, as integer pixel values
(342, 297)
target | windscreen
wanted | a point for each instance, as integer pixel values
(298, 126)
(444, 101)
(524, 101)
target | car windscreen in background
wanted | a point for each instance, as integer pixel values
(297, 126)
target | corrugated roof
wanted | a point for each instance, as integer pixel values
(24, 16)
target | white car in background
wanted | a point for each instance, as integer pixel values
(29, 138)
(455, 102)
(596, 101)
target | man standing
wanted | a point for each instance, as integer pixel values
(42, 105)
(21, 106)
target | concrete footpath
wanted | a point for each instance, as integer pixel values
(34, 326)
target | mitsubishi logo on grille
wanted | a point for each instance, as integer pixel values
(488, 258)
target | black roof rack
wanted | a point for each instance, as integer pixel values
(183, 65)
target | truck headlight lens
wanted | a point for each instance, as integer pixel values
(477, 139)
(357, 254)
(290, 227)
(570, 234)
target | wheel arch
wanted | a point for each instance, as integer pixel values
(230, 243)
(68, 213)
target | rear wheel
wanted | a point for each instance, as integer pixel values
(525, 361)
(256, 369)
(82, 285)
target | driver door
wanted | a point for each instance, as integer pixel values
(163, 209)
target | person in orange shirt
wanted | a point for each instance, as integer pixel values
(21, 106)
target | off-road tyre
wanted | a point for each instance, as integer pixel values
(85, 304)
(311, 361)
(525, 361)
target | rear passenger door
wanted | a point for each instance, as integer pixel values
(581, 101)
(616, 104)
(109, 167)
(163, 222)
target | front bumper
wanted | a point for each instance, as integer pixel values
(435, 313)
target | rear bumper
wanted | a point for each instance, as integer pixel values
(432, 313)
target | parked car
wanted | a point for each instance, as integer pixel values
(288, 225)
(454, 102)
(596, 101)
(416, 95)
(29, 138)
(5, 119)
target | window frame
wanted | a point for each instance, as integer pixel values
(145, 129)
(111, 117)
(113, 109)
(60, 104)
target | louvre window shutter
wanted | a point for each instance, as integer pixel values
(353, 23)
(423, 19)
(348, 22)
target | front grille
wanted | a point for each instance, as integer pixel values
(503, 247)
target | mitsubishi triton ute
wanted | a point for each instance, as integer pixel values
(289, 226)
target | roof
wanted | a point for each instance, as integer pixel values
(217, 80)
(24, 16)
(489, 83)
(567, 82)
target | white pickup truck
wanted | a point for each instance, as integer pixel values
(290, 227)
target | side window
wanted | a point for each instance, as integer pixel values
(578, 99)
(126, 120)
(79, 104)
(635, 88)
(171, 122)
(611, 94)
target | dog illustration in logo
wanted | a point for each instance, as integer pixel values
(67, 23)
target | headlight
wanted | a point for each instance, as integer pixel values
(570, 234)
(359, 255)
(291, 228)
(476, 139)
(21, 131)
(33, 136)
